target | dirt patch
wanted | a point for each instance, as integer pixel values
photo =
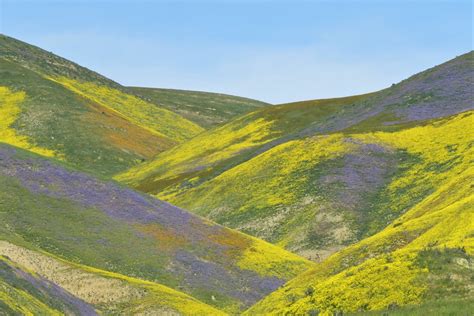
(88, 286)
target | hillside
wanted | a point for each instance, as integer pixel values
(57, 108)
(425, 255)
(219, 149)
(203, 108)
(317, 176)
(87, 221)
(437, 92)
(375, 190)
(37, 283)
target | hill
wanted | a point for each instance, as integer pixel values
(317, 176)
(45, 206)
(424, 255)
(203, 108)
(57, 108)
(376, 188)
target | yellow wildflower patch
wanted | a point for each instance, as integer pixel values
(157, 120)
(9, 111)
(269, 260)
(226, 142)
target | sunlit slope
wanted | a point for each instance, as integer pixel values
(427, 258)
(443, 90)
(203, 108)
(329, 185)
(156, 120)
(104, 225)
(425, 254)
(37, 283)
(44, 117)
(219, 149)
(58, 108)
(320, 194)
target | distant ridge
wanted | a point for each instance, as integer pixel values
(203, 108)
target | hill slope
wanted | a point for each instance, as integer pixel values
(437, 92)
(203, 108)
(311, 176)
(426, 254)
(84, 220)
(57, 108)
(38, 283)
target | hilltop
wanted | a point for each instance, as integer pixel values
(374, 187)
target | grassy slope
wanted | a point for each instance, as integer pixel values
(219, 149)
(320, 194)
(427, 254)
(21, 292)
(203, 108)
(266, 174)
(37, 282)
(438, 308)
(88, 221)
(67, 111)
(437, 92)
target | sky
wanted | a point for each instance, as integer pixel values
(274, 51)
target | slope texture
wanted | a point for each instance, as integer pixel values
(425, 254)
(101, 224)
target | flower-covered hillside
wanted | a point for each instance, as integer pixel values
(427, 251)
(80, 116)
(102, 224)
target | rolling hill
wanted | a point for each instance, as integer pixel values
(57, 108)
(47, 207)
(375, 189)
(203, 108)
(317, 176)
(425, 255)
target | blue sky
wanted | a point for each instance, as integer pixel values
(276, 51)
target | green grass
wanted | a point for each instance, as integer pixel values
(88, 236)
(17, 294)
(203, 108)
(284, 173)
(39, 60)
(54, 118)
(438, 308)
(377, 183)
(81, 116)
(319, 193)
(451, 273)
(392, 109)
(425, 254)
(215, 151)
(235, 174)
